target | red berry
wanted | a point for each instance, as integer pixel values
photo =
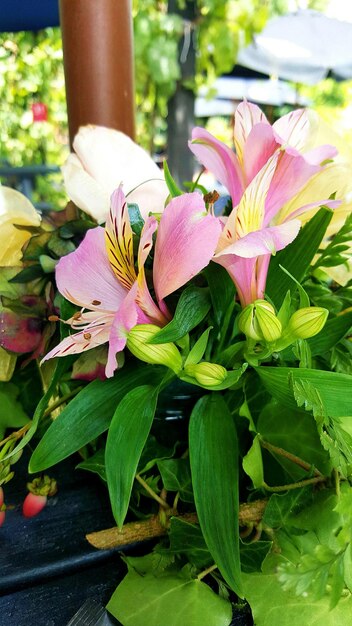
(1, 496)
(2, 517)
(33, 504)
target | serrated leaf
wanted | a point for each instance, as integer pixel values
(215, 483)
(170, 599)
(127, 435)
(192, 307)
(89, 414)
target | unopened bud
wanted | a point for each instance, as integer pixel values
(156, 354)
(208, 374)
(259, 322)
(307, 322)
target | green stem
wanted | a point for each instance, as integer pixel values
(291, 457)
(298, 485)
(225, 326)
(207, 571)
(152, 493)
(61, 401)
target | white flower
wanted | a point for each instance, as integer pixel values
(104, 158)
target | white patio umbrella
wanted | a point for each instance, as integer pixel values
(302, 47)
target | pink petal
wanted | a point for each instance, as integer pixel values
(267, 240)
(186, 241)
(119, 240)
(220, 160)
(146, 240)
(292, 173)
(93, 335)
(259, 147)
(247, 115)
(124, 320)
(332, 204)
(85, 275)
(243, 274)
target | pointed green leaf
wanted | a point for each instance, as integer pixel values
(171, 184)
(296, 257)
(89, 414)
(214, 464)
(199, 348)
(222, 291)
(191, 309)
(127, 435)
(334, 330)
(331, 387)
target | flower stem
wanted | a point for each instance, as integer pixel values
(291, 457)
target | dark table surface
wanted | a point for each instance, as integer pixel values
(47, 568)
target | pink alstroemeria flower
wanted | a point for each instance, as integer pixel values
(266, 172)
(100, 276)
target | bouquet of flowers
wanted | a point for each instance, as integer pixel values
(220, 313)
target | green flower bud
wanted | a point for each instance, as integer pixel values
(208, 374)
(307, 322)
(259, 322)
(246, 323)
(156, 354)
(270, 327)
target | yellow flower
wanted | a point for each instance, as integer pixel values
(15, 211)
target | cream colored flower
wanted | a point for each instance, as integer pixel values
(16, 213)
(104, 158)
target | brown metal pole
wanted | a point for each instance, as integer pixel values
(98, 62)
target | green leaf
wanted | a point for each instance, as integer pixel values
(136, 219)
(171, 184)
(272, 606)
(60, 368)
(89, 414)
(331, 387)
(127, 435)
(172, 599)
(253, 554)
(28, 274)
(12, 414)
(253, 463)
(176, 476)
(197, 352)
(334, 330)
(222, 291)
(191, 309)
(95, 464)
(153, 451)
(281, 507)
(294, 431)
(296, 257)
(187, 539)
(215, 483)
